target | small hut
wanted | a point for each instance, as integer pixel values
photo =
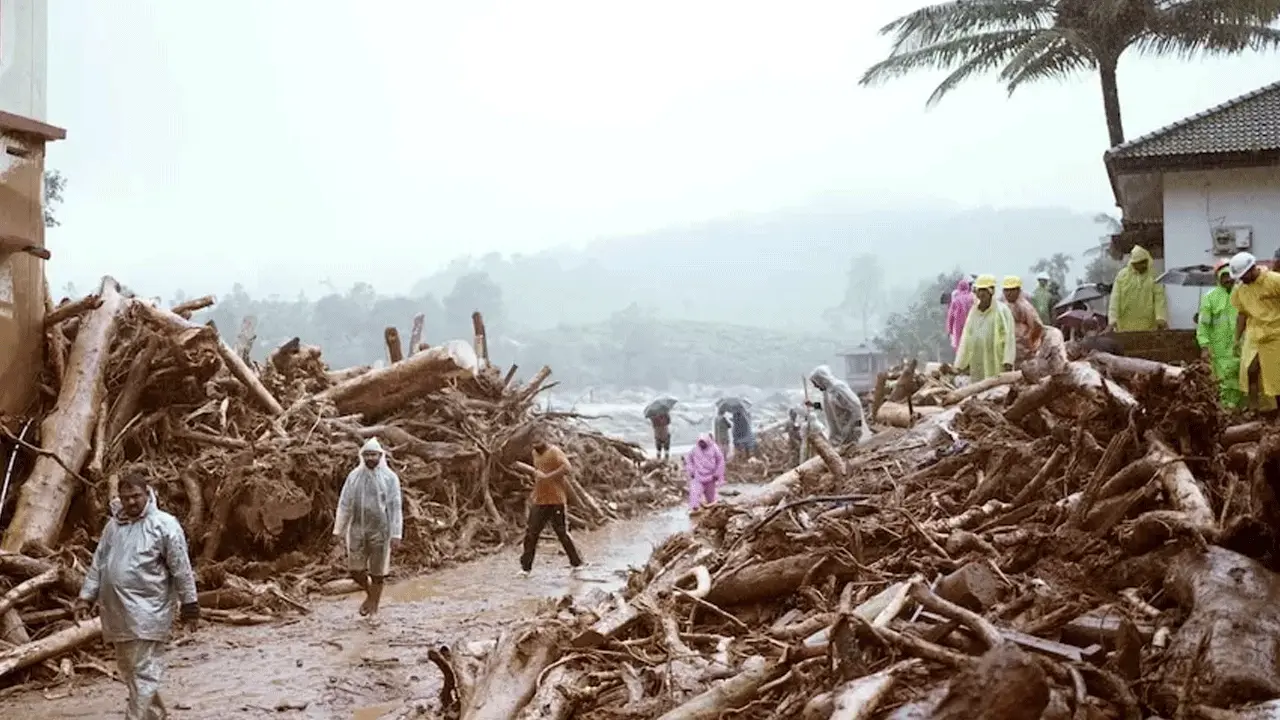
(861, 366)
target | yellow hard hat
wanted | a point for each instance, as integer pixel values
(987, 282)
(1011, 282)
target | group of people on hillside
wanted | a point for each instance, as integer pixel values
(732, 433)
(995, 336)
(1237, 325)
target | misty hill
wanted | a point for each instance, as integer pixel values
(635, 349)
(779, 269)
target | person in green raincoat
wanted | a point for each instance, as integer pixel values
(1043, 299)
(987, 345)
(1137, 300)
(1216, 336)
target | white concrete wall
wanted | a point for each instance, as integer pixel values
(1197, 202)
(24, 29)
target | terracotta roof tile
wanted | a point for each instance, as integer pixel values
(1249, 123)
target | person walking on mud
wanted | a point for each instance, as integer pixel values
(705, 466)
(546, 506)
(662, 435)
(370, 519)
(140, 565)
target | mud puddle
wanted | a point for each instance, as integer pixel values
(332, 664)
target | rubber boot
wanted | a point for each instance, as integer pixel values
(375, 595)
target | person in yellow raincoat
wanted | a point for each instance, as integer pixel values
(987, 345)
(1137, 300)
(1256, 297)
(1216, 336)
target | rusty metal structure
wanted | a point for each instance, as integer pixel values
(24, 135)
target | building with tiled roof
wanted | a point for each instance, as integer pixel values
(1202, 189)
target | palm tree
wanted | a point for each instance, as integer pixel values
(1030, 40)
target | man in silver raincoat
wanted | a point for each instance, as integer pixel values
(843, 409)
(140, 574)
(371, 521)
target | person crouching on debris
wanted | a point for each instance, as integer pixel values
(546, 506)
(841, 406)
(139, 568)
(987, 346)
(1027, 328)
(370, 519)
(705, 466)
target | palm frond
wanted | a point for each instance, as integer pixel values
(988, 50)
(1213, 39)
(948, 21)
(1053, 54)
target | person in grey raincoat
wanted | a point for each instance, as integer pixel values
(139, 575)
(842, 408)
(370, 519)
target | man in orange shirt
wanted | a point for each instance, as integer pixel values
(550, 493)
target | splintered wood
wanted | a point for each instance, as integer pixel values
(250, 458)
(1063, 546)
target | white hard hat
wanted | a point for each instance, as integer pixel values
(1240, 264)
(1042, 276)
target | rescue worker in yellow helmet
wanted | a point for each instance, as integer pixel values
(1027, 328)
(987, 345)
(1137, 301)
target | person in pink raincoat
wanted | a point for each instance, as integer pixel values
(705, 466)
(958, 311)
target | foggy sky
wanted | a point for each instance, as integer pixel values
(280, 142)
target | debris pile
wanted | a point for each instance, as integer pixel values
(1080, 546)
(251, 460)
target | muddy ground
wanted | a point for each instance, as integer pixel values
(331, 664)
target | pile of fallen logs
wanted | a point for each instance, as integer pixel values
(1080, 546)
(251, 460)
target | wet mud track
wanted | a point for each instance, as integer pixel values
(333, 664)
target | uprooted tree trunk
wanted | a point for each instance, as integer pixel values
(900, 416)
(25, 656)
(731, 693)
(66, 432)
(380, 391)
(960, 394)
(1232, 632)
(1075, 392)
(1005, 684)
(174, 324)
(1129, 368)
(510, 675)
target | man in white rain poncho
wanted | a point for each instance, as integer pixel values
(139, 567)
(371, 521)
(843, 409)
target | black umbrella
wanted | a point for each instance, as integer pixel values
(661, 406)
(1083, 293)
(731, 405)
(1189, 276)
